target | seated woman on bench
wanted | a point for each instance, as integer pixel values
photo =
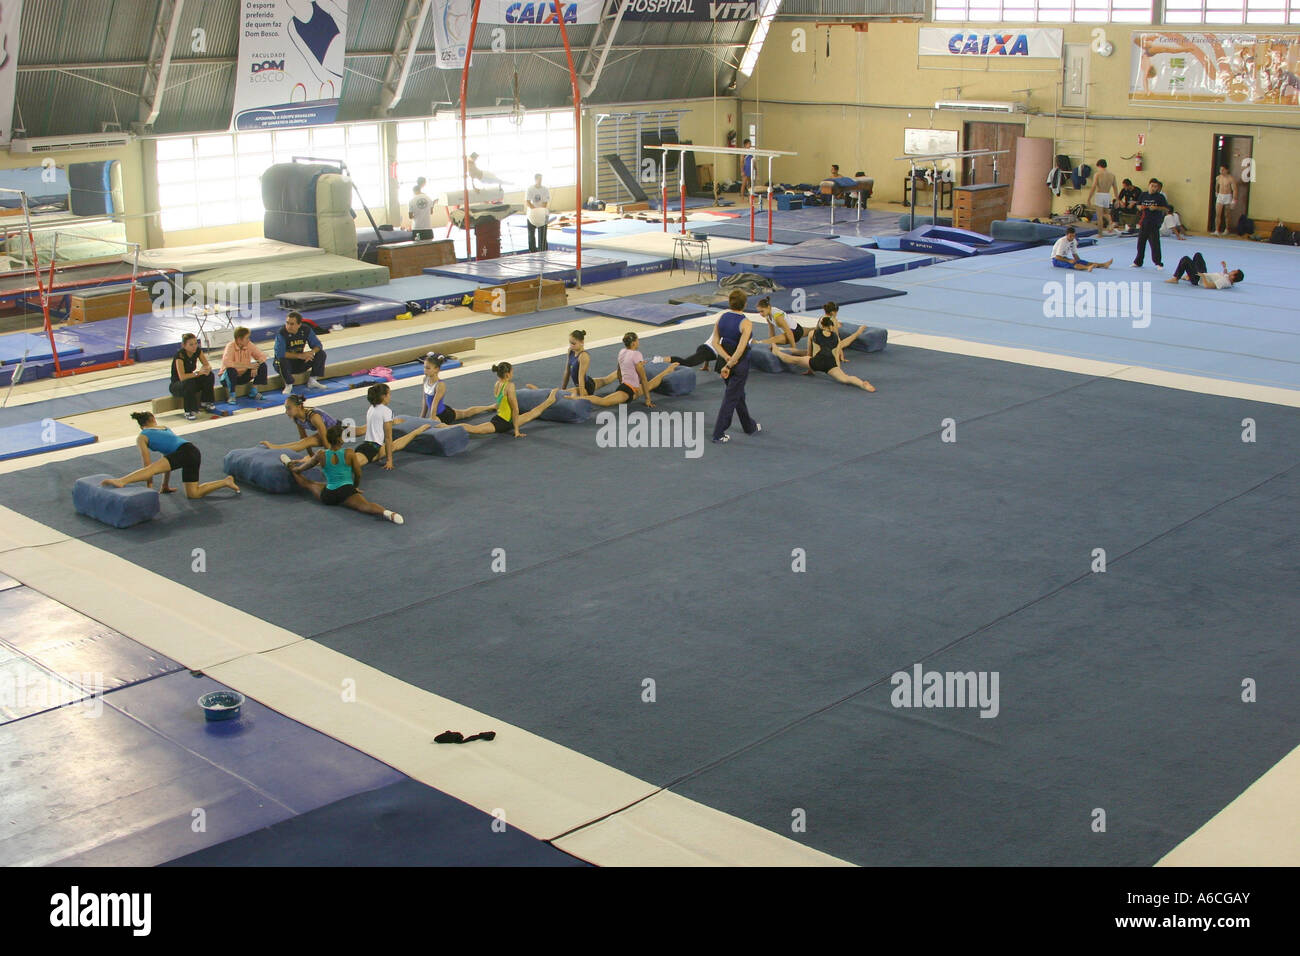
(1065, 254)
(576, 366)
(295, 406)
(243, 363)
(342, 470)
(175, 453)
(435, 395)
(192, 387)
(827, 355)
(632, 376)
(508, 417)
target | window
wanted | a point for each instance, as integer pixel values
(766, 14)
(541, 142)
(1052, 11)
(206, 181)
(1232, 11)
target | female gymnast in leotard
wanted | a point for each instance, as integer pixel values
(827, 356)
(632, 376)
(305, 417)
(778, 325)
(342, 469)
(435, 395)
(576, 366)
(508, 418)
(175, 453)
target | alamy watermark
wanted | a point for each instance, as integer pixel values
(36, 691)
(637, 429)
(946, 689)
(1088, 299)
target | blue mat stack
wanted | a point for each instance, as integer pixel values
(808, 263)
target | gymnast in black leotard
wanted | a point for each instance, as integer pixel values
(577, 364)
(827, 356)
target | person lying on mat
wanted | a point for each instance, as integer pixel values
(632, 376)
(778, 326)
(298, 350)
(576, 368)
(508, 418)
(243, 363)
(827, 356)
(295, 406)
(380, 443)
(435, 395)
(1065, 254)
(1195, 270)
(175, 453)
(342, 470)
(193, 387)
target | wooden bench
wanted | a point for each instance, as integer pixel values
(274, 382)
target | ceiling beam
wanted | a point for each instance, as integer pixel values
(403, 55)
(154, 84)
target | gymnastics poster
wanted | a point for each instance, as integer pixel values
(11, 12)
(451, 20)
(1216, 68)
(290, 65)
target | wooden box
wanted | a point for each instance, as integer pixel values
(634, 206)
(516, 298)
(92, 305)
(412, 258)
(975, 207)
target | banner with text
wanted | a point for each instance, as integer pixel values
(1219, 68)
(691, 11)
(1032, 43)
(451, 19)
(290, 66)
(539, 12)
(11, 12)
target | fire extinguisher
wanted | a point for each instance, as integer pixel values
(1137, 163)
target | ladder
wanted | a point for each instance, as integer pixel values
(1071, 130)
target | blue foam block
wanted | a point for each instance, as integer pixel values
(679, 382)
(571, 410)
(872, 340)
(437, 440)
(762, 359)
(118, 507)
(261, 468)
(638, 310)
(33, 438)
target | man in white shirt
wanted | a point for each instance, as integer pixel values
(1194, 269)
(420, 209)
(1065, 254)
(538, 200)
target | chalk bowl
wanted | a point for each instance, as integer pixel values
(221, 705)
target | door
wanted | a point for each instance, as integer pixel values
(1074, 88)
(979, 169)
(1235, 152)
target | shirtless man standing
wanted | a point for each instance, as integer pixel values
(1225, 197)
(1102, 196)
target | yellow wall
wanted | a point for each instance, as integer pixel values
(878, 87)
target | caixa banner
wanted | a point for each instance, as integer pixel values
(539, 12)
(689, 10)
(1012, 42)
(290, 66)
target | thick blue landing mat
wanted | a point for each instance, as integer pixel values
(555, 264)
(1247, 333)
(815, 296)
(815, 261)
(14, 346)
(402, 824)
(637, 310)
(425, 289)
(967, 555)
(133, 765)
(38, 437)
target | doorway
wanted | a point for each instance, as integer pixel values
(1236, 153)
(990, 136)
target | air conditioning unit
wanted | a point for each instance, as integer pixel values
(973, 106)
(61, 144)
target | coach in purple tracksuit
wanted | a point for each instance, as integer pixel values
(731, 341)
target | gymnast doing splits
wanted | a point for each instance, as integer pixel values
(826, 355)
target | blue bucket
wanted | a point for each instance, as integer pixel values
(221, 705)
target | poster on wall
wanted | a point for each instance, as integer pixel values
(451, 20)
(1219, 68)
(290, 66)
(539, 12)
(10, 14)
(689, 11)
(1033, 43)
